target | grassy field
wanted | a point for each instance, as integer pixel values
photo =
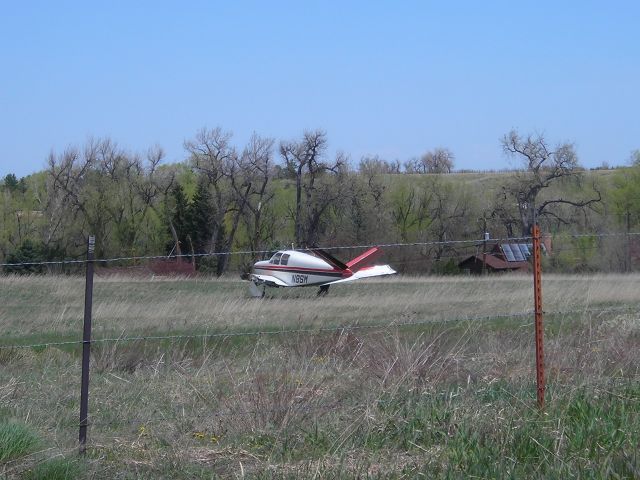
(397, 378)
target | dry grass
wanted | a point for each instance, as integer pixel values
(394, 401)
(31, 305)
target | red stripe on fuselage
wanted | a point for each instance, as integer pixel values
(292, 269)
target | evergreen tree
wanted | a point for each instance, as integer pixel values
(201, 218)
(179, 216)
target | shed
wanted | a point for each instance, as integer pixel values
(500, 257)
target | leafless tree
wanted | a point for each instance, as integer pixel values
(305, 160)
(377, 166)
(102, 190)
(409, 210)
(256, 166)
(213, 156)
(448, 211)
(543, 167)
(440, 160)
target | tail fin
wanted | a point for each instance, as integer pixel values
(366, 257)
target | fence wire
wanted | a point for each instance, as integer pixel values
(468, 242)
(258, 333)
(319, 330)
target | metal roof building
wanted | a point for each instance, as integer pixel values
(501, 257)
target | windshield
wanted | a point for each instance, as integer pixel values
(276, 258)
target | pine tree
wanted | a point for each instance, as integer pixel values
(202, 222)
(201, 218)
(179, 216)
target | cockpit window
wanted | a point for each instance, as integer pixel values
(276, 258)
(285, 259)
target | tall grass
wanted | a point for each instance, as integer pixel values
(448, 398)
(15, 440)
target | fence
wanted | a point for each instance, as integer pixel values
(298, 397)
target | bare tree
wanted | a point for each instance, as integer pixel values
(103, 190)
(256, 166)
(448, 212)
(238, 183)
(409, 210)
(544, 166)
(305, 160)
(375, 165)
(440, 160)
(213, 156)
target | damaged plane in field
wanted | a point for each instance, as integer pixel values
(312, 267)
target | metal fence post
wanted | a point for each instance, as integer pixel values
(86, 345)
(539, 332)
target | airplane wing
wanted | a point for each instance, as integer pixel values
(374, 271)
(269, 280)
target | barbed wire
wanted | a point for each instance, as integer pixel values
(469, 242)
(318, 330)
(284, 331)
(248, 252)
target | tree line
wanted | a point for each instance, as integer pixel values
(266, 194)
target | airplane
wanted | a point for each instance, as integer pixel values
(294, 268)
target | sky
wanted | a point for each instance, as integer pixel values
(393, 79)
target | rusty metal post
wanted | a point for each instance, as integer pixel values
(539, 332)
(86, 345)
(484, 249)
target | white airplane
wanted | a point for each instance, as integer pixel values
(292, 268)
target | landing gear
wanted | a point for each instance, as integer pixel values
(324, 289)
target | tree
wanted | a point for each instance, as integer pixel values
(625, 202)
(105, 191)
(544, 166)
(440, 160)
(200, 218)
(377, 166)
(179, 219)
(10, 182)
(448, 212)
(305, 161)
(255, 165)
(409, 210)
(212, 156)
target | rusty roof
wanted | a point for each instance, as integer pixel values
(497, 263)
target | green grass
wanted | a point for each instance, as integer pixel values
(452, 398)
(16, 440)
(55, 469)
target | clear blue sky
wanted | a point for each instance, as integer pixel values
(387, 78)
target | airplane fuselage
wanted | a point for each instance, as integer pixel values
(298, 269)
